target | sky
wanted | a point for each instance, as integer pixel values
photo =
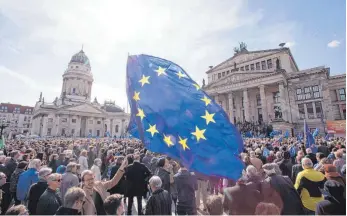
(39, 37)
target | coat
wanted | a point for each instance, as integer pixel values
(53, 165)
(83, 162)
(26, 179)
(14, 179)
(6, 197)
(101, 187)
(11, 165)
(69, 180)
(35, 192)
(96, 170)
(49, 203)
(137, 176)
(165, 178)
(159, 203)
(67, 211)
(120, 187)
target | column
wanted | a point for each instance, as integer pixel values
(284, 107)
(246, 105)
(306, 114)
(314, 109)
(263, 103)
(231, 108)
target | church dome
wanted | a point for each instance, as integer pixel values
(80, 57)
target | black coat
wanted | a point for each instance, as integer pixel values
(286, 167)
(6, 197)
(120, 187)
(67, 211)
(11, 165)
(49, 203)
(295, 171)
(53, 164)
(137, 176)
(159, 203)
(34, 194)
(165, 178)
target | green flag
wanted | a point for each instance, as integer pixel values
(2, 142)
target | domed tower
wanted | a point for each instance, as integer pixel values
(77, 80)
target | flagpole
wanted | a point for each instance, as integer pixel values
(305, 140)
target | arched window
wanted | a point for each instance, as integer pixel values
(117, 128)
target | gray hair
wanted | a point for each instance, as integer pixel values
(155, 181)
(251, 171)
(53, 177)
(306, 163)
(70, 166)
(35, 163)
(86, 172)
(272, 168)
(97, 160)
(45, 171)
(72, 195)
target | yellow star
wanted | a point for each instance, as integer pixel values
(208, 117)
(199, 134)
(136, 96)
(206, 100)
(167, 140)
(183, 142)
(196, 86)
(152, 129)
(180, 74)
(160, 71)
(141, 113)
(144, 80)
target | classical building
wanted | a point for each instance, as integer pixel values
(16, 118)
(73, 114)
(267, 86)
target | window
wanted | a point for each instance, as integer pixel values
(73, 91)
(260, 115)
(269, 63)
(64, 120)
(242, 68)
(76, 66)
(278, 112)
(219, 75)
(90, 121)
(97, 132)
(307, 91)
(117, 128)
(49, 131)
(299, 94)
(72, 131)
(263, 65)
(227, 72)
(50, 120)
(73, 120)
(258, 100)
(276, 97)
(316, 91)
(247, 67)
(242, 102)
(310, 112)
(257, 66)
(98, 122)
(301, 111)
(223, 74)
(234, 103)
(63, 132)
(318, 106)
(90, 131)
(342, 94)
(252, 66)
(25, 118)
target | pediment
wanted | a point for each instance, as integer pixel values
(84, 108)
(238, 77)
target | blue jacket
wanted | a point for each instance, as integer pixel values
(26, 179)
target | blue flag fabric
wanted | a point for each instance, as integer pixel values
(172, 115)
(309, 138)
(286, 134)
(316, 132)
(326, 137)
(266, 152)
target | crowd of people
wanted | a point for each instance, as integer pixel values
(103, 176)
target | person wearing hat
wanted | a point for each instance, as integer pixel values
(332, 174)
(335, 202)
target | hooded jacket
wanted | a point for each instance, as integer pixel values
(26, 179)
(335, 202)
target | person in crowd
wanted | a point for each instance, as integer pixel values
(61, 169)
(271, 157)
(12, 164)
(264, 208)
(286, 164)
(91, 156)
(73, 202)
(17, 210)
(5, 195)
(256, 162)
(27, 178)
(147, 159)
(214, 205)
(14, 180)
(311, 156)
(53, 162)
(83, 161)
(309, 183)
(113, 205)
(160, 202)
(278, 157)
(37, 189)
(50, 201)
(121, 186)
(201, 192)
(69, 179)
(296, 168)
(164, 173)
(323, 148)
(335, 202)
(136, 175)
(319, 156)
(62, 159)
(339, 161)
(275, 185)
(3, 168)
(96, 169)
(331, 173)
(96, 191)
(186, 185)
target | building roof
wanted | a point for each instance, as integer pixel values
(81, 58)
(112, 108)
(12, 107)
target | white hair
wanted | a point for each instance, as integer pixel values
(251, 170)
(53, 177)
(35, 163)
(306, 163)
(44, 172)
(155, 181)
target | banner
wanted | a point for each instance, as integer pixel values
(336, 127)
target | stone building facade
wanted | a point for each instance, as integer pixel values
(267, 87)
(72, 114)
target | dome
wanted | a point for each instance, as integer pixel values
(81, 58)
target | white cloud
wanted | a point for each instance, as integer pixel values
(334, 43)
(195, 36)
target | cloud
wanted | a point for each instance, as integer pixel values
(334, 43)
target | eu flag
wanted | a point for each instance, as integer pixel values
(172, 115)
(308, 136)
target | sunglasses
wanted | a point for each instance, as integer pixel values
(3, 177)
(57, 180)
